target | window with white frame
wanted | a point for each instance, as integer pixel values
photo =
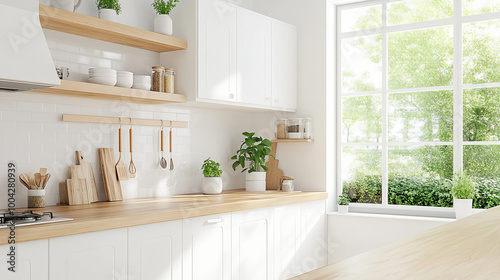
(419, 90)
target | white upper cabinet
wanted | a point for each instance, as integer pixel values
(284, 66)
(207, 248)
(254, 58)
(235, 57)
(216, 50)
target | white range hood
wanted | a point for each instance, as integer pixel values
(25, 59)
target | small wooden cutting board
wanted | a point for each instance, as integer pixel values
(63, 193)
(77, 191)
(79, 172)
(112, 187)
(89, 175)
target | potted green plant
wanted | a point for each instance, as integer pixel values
(252, 158)
(109, 9)
(212, 181)
(343, 202)
(163, 23)
(463, 192)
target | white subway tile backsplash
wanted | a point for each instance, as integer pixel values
(49, 107)
(14, 116)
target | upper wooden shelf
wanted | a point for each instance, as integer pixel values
(92, 27)
(110, 93)
(292, 140)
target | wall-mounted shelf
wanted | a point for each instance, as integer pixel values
(274, 173)
(95, 28)
(123, 121)
(292, 140)
(110, 93)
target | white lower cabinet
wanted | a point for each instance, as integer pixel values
(287, 242)
(31, 261)
(207, 248)
(98, 255)
(313, 247)
(155, 251)
(252, 244)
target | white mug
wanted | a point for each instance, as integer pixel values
(68, 5)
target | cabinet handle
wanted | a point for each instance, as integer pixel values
(214, 221)
(231, 96)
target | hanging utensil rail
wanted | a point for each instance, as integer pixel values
(124, 121)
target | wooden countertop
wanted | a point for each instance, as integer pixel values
(465, 249)
(111, 215)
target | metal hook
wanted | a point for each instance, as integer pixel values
(130, 122)
(171, 124)
(120, 122)
(162, 125)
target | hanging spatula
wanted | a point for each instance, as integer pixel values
(121, 169)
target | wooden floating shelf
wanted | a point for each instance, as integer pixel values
(123, 121)
(95, 28)
(292, 140)
(110, 93)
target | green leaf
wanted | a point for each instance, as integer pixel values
(248, 134)
(235, 164)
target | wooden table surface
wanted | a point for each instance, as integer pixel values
(111, 215)
(465, 249)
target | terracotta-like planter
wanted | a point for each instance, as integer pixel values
(163, 24)
(211, 185)
(256, 182)
(463, 207)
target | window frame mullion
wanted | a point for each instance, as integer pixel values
(385, 147)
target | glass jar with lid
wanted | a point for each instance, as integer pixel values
(307, 128)
(281, 128)
(295, 128)
(157, 78)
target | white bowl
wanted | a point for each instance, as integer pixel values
(124, 82)
(109, 81)
(125, 73)
(145, 79)
(102, 71)
(101, 75)
(143, 86)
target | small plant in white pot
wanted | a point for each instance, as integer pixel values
(253, 151)
(463, 192)
(109, 9)
(212, 182)
(343, 202)
(163, 23)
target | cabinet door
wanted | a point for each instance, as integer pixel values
(207, 248)
(287, 224)
(98, 255)
(155, 251)
(216, 50)
(252, 245)
(254, 58)
(284, 53)
(313, 248)
(31, 261)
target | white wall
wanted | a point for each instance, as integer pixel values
(351, 234)
(33, 135)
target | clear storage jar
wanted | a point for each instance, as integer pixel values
(157, 78)
(295, 128)
(169, 80)
(308, 128)
(281, 129)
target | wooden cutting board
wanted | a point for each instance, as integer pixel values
(273, 172)
(77, 191)
(112, 187)
(79, 172)
(89, 175)
(63, 193)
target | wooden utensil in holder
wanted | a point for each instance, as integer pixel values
(36, 187)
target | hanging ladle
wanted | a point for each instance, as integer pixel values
(163, 161)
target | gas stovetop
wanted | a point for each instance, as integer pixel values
(26, 218)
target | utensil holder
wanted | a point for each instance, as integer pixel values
(36, 198)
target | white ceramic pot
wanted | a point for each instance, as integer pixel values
(108, 14)
(343, 209)
(463, 207)
(68, 5)
(256, 182)
(163, 24)
(211, 185)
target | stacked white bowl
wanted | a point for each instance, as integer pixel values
(102, 76)
(142, 82)
(125, 79)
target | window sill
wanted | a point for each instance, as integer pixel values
(404, 210)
